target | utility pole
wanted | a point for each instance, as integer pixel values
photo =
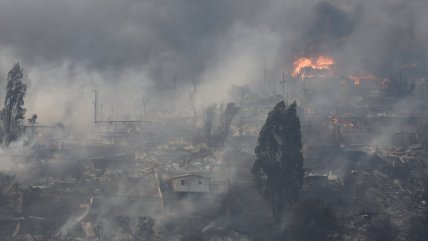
(283, 87)
(144, 106)
(135, 110)
(274, 88)
(266, 76)
(95, 105)
(101, 112)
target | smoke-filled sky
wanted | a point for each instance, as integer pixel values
(132, 49)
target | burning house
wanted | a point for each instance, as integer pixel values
(308, 68)
(356, 70)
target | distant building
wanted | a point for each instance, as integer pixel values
(190, 183)
(193, 183)
(404, 138)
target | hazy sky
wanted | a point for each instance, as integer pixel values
(144, 47)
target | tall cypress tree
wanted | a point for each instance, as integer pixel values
(278, 169)
(13, 112)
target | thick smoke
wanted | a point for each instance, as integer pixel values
(153, 49)
(329, 28)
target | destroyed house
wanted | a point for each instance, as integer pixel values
(193, 183)
(404, 138)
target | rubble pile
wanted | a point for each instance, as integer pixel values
(11, 204)
(384, 188)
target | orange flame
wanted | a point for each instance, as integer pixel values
(320, 63)
(357, 78)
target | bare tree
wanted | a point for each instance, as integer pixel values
(241, 124)
(145, 101)
(210, 113)
(217, 138)
(33, 120)
(193, 91)
(229, 113)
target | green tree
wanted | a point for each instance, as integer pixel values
(418, 228)
(278, 169)
(13, 112)
(313, 220)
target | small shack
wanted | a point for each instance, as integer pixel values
(190, 183)
(194, 183)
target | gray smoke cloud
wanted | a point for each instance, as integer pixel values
(118, 35)
(135, 48)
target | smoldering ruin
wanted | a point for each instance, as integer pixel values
(187, 120)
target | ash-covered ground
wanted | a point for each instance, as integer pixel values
(144, 120)
(166, 179)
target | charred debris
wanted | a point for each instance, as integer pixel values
(308, 170)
